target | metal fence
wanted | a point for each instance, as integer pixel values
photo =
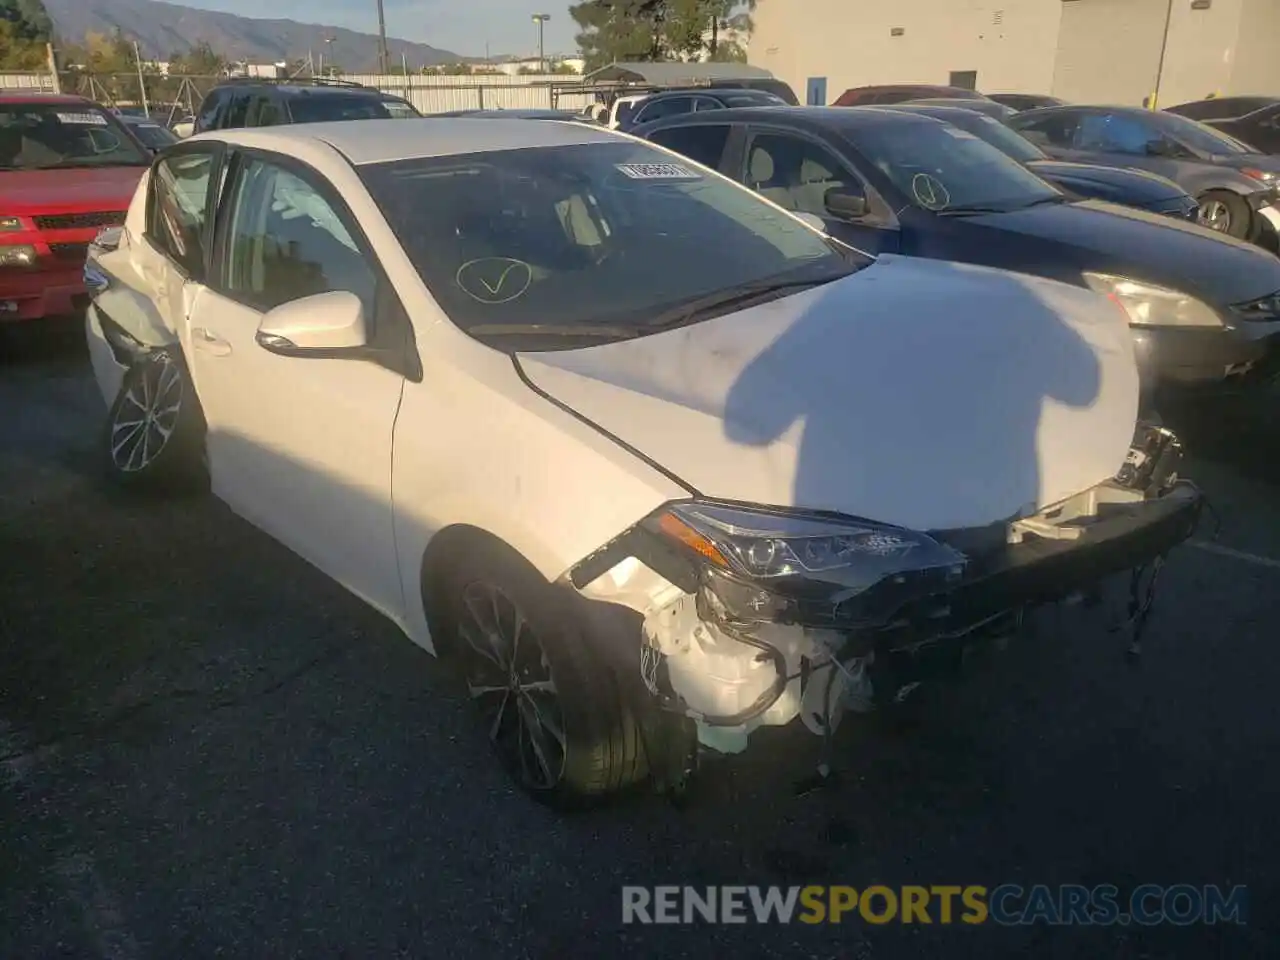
(429, 94)
(438, 94)
(27, 81)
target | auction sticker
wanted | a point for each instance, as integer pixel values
(91, 119)
(658, 171)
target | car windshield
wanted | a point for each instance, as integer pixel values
(944, 169)
(324, 108)
(1202, 138)
(44, 136)
(153, 135)
(591, 241)
(1004, 139)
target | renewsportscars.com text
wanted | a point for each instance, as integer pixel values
(1005, 905)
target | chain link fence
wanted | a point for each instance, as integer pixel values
(172, 98)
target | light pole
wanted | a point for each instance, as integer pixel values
(1164, 46)
(540, 19)
(383, 66)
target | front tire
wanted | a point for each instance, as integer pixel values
(554, 714)
(1224, 212)
(155, 430)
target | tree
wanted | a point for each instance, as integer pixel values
(658, 29)
(24, 30)
(199, 61)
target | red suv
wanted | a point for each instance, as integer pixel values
(68, 168)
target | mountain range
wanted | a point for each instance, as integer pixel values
(163, 29)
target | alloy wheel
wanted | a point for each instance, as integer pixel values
(147, 416)
(510, 680)
(1215, 215)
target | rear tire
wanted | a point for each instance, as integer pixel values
(554, 713)
(155, 430)
(1224, 212)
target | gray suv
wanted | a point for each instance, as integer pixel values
(255, 102)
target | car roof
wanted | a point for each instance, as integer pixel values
(813, 119)
(382, 141)
(301, 88)
(35, 96)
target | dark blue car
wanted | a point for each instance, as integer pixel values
(1133, 188)
(1203, 307)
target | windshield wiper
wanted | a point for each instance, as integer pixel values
(971, 211)
(1041, 201)
(724, 300)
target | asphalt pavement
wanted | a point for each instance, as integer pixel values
(209, 750)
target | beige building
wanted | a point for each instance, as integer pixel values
(1100, 51)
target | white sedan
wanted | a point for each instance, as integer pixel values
(656, 461)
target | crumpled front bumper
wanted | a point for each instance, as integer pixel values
(735, 655)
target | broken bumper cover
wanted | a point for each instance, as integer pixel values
(735, 652)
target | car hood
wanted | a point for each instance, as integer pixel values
(1141, 186)
(914, 392)
(1146, 246)
(31, 192)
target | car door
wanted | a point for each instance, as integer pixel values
(172, 258)
(299, 446)
(803, 175)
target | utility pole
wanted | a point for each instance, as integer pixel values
(540, 19)
(142, 84)
(383, 65)
(1164, 45)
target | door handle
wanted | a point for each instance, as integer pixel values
(209, 342)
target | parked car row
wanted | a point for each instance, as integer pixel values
(1203, 307)
(669, 465)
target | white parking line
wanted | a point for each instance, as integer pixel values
(1234, 554)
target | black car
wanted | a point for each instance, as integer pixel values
(1202, 306)
(253, 102)
(1260, 129)
(988, 108)
(1133, 188)
(1236, 187)
(1222, 108)
(670, 103)
(1026, 101)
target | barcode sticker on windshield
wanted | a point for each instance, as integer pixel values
(658, 171)
(91, 119)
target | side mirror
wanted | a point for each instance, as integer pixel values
(1161, 148)
(845, 206)
(325, 325)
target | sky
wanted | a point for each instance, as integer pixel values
(463, 26)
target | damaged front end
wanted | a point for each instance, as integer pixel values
(753, 616)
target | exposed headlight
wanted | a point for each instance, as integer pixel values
(1262, 309)
(1266, 176)
(21, 255)
(765, 544)
(762, 563)
(1149, 305)
(10, 225)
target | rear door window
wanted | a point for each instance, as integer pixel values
(1113, 133)
(704, 143)
(667, 107)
